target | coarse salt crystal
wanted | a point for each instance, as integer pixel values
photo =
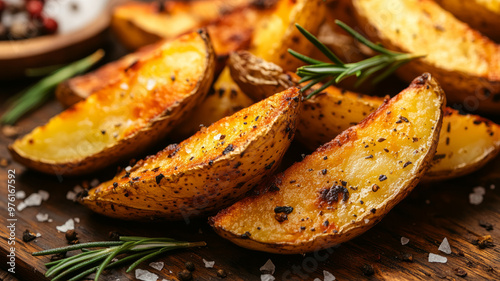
(20, 194)
(217, 137)
(151, 84)
(475, 199)
(77, 220)
(445, 246)
(437, 258)
(479, 190)
(267, 277)
(21, 206)
(145, 275)
(268, 267)
(38, 234)
(34, 199)
(44, 194)
(94, 183)
(327, 276)
(128, 169)
(157, 265)
(208, 264)
(317, 279)
(68, 225)
(42, 217)
(188, 150)
(404, 240)
(71, 195)
(124, 86)
(367, 221)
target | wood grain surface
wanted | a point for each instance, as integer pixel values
(432, 212)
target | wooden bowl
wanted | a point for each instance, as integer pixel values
(18, 55)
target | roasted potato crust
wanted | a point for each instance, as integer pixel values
(466, 64)
(124, 118)
(206, 172)
(468, 143)
(346, 186)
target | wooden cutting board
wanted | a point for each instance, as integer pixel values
(431, 213)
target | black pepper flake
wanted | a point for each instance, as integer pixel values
(155, 169)
(369, 156)
(270, 165)
(159, 178)
(344, 183)
(283, 209)
(281, 217)
(246, 235)
(335, 231)
(256, 118)
(103, 132)
(302, 228)
(228, 149)
(331, 195)
(313, 229)
(361, 202)
(136, 178)
(406, 164)
(127, 174)
(326, 157)
(382, 177)
(439, 157)
(222, 137)
(326, 223)
(373, 211)
(210, 162)
(404, 119)
(381, 140)
(115, 184)
(324, 171)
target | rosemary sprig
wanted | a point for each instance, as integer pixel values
(385, 62)
(42, 90)
(114, 253)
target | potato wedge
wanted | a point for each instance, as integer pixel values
(223, 100)
(482, 15)
(123, 119)
(276, 33)
(466, 64)
(206, 172)
(346, 186)
(468, 143)
(138, 24)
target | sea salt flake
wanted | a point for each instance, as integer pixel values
(145, 275)
(367, 221)
(77, 220)
(268, 267)
(217, 137)
(475, 198)
(437, 258)
(479, 190)
(94, 183)
(35, 199)
(267, 277)
(44, 194)
(317, 279)
(404, 240)
(128, 169)
(157, 265)
(42, 217)
(188, 150)
(68, 225)
(151, 84)
(21, 206)
(124, 86)
(327, 276)
(38, 234)
(208, 264)
(71, 195)
(20, 195)
(445, 246)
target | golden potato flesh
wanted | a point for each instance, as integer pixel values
(466, 63)
(469, 143)
(206, 172)
(124, 118)
(346, 186)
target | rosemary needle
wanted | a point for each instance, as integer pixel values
(128, 249)
(386, 62)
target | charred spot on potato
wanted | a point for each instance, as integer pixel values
(283, 209)
(332, 194)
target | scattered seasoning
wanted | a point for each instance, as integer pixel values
(228, 149)
(159, 178)
(189, 266)
(375, 188)
(325, 158)
(407, 257)
(185, 275)
(404, 119)
(221, 273)
(28, 236)
(373, 210)
(331, 195)
(386, 150)
(406, 164)
(324, 171)
(486, 225)
(460, 272)
(367, 270)
(245, 235)
(361, 202)
(381, 140)
(326, 223)
(369, 156)
(115, 184)
(382, 177)
(283, 209)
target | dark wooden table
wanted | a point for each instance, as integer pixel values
(432, 212)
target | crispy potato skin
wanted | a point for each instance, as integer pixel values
(223, 100)
(482, 15)
(469, 143)
(466, 64)
(123, 119)
(206, 172)
(327, 187)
